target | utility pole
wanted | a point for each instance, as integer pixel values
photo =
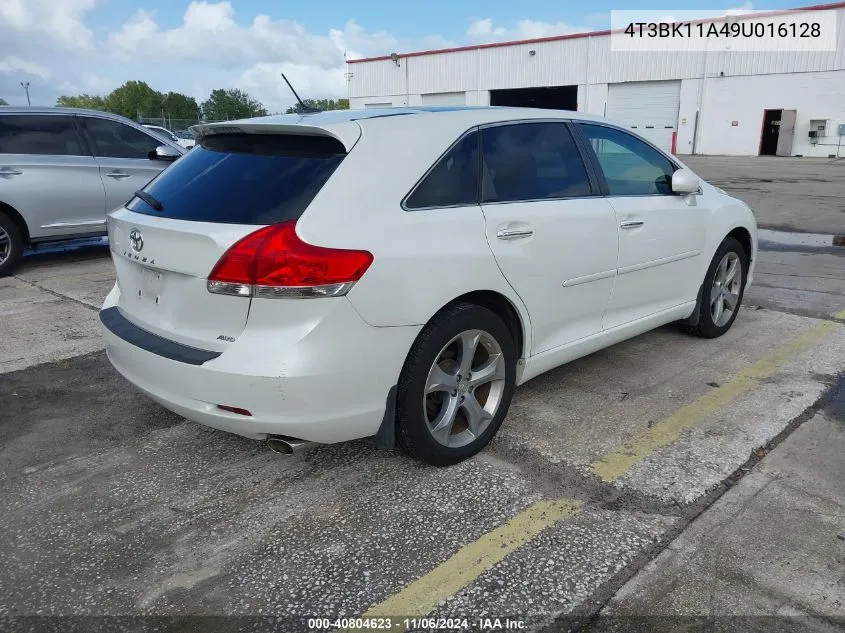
(25, 86)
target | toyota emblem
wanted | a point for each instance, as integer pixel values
(136, 239)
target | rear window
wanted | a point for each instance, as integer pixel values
(244, 179)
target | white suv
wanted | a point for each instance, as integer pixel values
(396, 273)
(187, 143)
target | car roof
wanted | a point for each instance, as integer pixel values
(60, 110)
(340, 116)
(346, 125)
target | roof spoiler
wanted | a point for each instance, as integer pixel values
(346, 133)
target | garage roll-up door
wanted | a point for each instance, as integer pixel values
(444, 98)
(648, 107)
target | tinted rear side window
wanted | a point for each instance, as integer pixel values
(453, 181)
(244, 179)
(33, 134)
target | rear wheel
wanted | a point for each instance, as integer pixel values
(456, 385)
(723, 289)
(11, 245)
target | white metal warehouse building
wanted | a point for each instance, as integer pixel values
(718, 102)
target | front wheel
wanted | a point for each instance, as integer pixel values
(11, 244)
(724, 285)
(456, 385)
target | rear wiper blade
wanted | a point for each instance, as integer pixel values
(150, 200)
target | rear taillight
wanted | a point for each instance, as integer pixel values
(274, 262)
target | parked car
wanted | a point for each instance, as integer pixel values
(62, 169)
(185, 141)
(396, 273)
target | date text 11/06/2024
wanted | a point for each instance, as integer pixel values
(725, 30)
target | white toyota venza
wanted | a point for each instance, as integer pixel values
(397, 273)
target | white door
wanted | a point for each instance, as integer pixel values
(648, 107)
(123, 154)
(786, 134)
(661, 234)
(555, 242)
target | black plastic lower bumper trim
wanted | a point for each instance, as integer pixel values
(121, 327)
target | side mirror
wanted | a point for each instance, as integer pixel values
(685, 182)
(165, 152)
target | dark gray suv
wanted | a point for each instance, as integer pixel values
(63, 169)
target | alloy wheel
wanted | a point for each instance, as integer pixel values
(464, 388)
(5, 245)
(724, 293)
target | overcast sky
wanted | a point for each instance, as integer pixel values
(75, 46)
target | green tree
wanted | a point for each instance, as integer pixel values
(223, 104)
(320, 104)
(135, 97)
(179, 106)
(91, 102)
(3, 102)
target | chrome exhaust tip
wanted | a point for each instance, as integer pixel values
(285, 445)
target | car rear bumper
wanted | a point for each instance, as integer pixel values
(330, 385)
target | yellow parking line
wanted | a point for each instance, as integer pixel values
(613, 465)
(422, 595)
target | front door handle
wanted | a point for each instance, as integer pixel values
(514, 234)
(632, 224)
(117, 175)
(8, 171)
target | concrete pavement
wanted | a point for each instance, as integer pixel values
(768, 556)
(117, 507)
(799, 280)
(787, 194)
(49, 308)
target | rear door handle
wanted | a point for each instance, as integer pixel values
(117, 175)
(514, 234)
(8, 171)
(632, 224)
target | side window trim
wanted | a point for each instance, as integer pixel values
(432, 167)
(595, 183)
(83, 130)
(588, 156)
(594, 159)
(87, 147)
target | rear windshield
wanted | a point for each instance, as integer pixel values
(243, 179)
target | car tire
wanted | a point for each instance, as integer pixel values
(11, 245)
(432, 388)
(722, 292)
